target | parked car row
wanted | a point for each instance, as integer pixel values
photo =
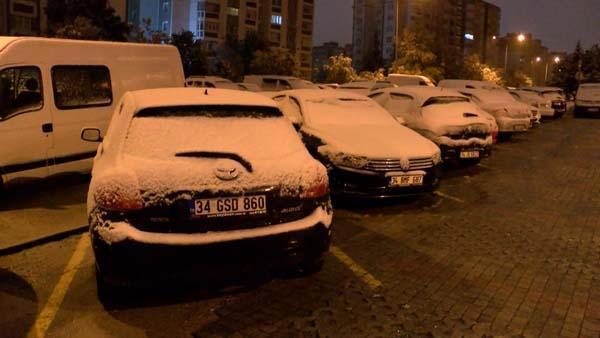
(209, 176)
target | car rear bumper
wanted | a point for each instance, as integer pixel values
(513, 125)
(140, 255)
(587, 109)
(359, 184)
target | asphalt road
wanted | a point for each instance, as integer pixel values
(508, 247)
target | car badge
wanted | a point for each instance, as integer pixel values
(226, 174)
(404, 164)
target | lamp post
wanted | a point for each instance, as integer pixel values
(520, 38)
(556, 61)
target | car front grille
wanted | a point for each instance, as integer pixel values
(469, 135)
(384, 165)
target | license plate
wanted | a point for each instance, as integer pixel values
(230, 206)
(469, 154)
(406, 180)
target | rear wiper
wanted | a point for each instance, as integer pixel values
(216, 154)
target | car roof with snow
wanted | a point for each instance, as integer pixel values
(421, 94)
(207, 78)
(362, 84)
(319, 94)
(542, 89)
(177, 97)
(476, 84)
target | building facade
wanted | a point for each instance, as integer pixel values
(22, 17)
(285, 24)
(457, 27)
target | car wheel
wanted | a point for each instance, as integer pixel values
(103, 288)
(504, 136)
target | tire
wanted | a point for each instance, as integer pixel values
(504, 136)
(103, 289)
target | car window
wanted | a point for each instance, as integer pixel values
(20, 91)
(284, 85)
(422, 83)
(444, 100)
(269, 84)
(81, 86)
(375, 95)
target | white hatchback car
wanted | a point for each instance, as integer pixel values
(367, 152)
(536, 100)
(364, 87)
(459, 127)
(189, 178)
(587, 100)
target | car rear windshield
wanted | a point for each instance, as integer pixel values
(444, 100)
(211, 111)
(249, 132)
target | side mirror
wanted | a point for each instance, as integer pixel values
(91, 135)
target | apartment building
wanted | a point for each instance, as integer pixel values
(22, 17)
(286, 24)
(457, 27)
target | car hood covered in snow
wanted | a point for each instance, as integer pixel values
(447, 118)
(375, 141)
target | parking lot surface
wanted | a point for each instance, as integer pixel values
(510, 247)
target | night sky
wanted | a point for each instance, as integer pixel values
(558, 23)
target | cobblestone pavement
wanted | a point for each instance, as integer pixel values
(510, 247)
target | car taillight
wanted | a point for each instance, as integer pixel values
(318, 189)
(118, 193)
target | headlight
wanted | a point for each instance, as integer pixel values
(350, 161)
(437, 157)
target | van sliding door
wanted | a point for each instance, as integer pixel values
(25, 123)
(82, 98)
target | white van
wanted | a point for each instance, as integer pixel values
(52, 88)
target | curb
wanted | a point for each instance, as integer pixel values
(44, 240)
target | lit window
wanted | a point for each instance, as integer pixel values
(276, 19)
(233, 11)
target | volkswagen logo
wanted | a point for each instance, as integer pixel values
(226, 174)
(404, 164)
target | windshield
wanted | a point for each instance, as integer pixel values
(302, 84)
(346, 111)
(248, 132)
(444, 100)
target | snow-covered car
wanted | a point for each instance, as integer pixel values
(459, 127)
(543, 105)
(210, 82)
(511, 116)
(274, 83)
(367, 153)
(187, 177)
(364, 87)
(250, 87)
(555, 95)
(587, 100)
(409, 80)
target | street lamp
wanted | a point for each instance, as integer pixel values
(538, 59)
(557, 61)
(520, 38)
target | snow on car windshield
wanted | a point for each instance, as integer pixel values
(250, 132)
(346, 111)
(444, 100)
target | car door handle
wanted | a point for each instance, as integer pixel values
(47, 127)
